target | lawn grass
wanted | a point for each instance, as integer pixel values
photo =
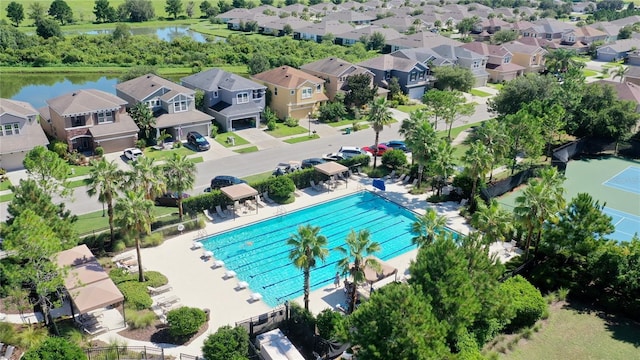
(166, 154)
(299, 139)
(102, 70)
(588, 73)
(410, 108)
(496, 86)
(579, 333)
(283, 130)
(196, 160)
(6, 197)
(79, 171)
(257, 177)
(94, 221)
(222, 139)
(5, 185)
(480, 93)
(246, 150)
(221, 30)
(77, 183)
(348, 120)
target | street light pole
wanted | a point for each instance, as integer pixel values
(309, 115)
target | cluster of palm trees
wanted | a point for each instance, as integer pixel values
(129, 195)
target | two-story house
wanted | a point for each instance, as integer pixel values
(357, 35)
(173, 105)
(468, 59)
(336, 73)
(499, 65)
(294, 93)
(234, 102)
(315, 32)
(86, 119)
(531, 57)
(412, 75)
(424, 39)
(20, 132)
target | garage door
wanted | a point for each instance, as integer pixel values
(203, 129)
(11, 162)
(116, 145)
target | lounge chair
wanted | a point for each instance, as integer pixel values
(217, 264)
(260, 202)
(391, 175)
(242, 285)
(159, 290)
(401, 178)
(229, 274)
(220, 212)
(255, 297)
(265, 196)
(414, 182)
(164, 302)
(208, 215)
(196, 245)
(315, 187)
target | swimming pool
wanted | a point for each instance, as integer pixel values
(258, 253)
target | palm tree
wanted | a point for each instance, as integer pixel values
(620, 72)
(359, 248)
(494, 136)
(143, 117)
(306, 247)
(180, 174)
(133, 214)
(441, 164)
(421, 138)
(104, 180)
(427, 226)
(147, 177)
(492, 221)
(479, 160)
(379, 116)
(561, 60)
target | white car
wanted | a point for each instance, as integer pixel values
(333, 156)
(351, 151)
(132, 153)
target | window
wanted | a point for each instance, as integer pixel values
(215, 94)
(534, 59)
(10, 129)
(548, 36)
(292, 92)
(306, 93)
(387, 75)
(507, 59)
(421, 75)
(242, 98)
(180, 106)
(77, 121)
(257, 94)
(153, 103)
(476, 64)
(105, 116)
(275, 91)
(318, 88)
(413, 76)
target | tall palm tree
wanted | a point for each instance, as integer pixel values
(104, 180)
(494, 136)
(357, 258)
(421, 138)
(620, 72)
(442, 164)
(146, 176)
(426, 227)
(306, 247)
(180, 174)
(479, 160)
(134, 215)
(494, 222)
(561, 60)
(379, 116)
(143, 117)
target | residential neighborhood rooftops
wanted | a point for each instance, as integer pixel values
(213, 79)
(287, 77)
(334, 66)
(84, 101)
(143, 86)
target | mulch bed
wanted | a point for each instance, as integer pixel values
(158, 333)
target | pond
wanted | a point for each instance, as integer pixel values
(167, 33)
(37, 88)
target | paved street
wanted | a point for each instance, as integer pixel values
(222, 161)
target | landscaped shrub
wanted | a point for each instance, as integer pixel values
(55, 348)
(271, 125)
(330, 324)
(118, 245)
(139, 319)
(155, 279)
(185, 321)
(527, 302)
(31, 336)
(99, 151)
(226, 343)
(360, 160)
(7, 333)
(394, 159)
(59, 147)
(152, 240)
(196, 204)
(280, 188)
(291, 122)
(135, 294)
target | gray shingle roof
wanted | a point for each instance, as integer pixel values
(84, 101)
(333, 66)
(213, 79)
(143, 86)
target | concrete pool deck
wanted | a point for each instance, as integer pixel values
(197, 284)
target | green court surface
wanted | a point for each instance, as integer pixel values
(589, 176)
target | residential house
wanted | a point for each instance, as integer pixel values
(335, 72)
(86, 119)
(277, 26)
(625, 90)
(583, 7)
(468, 59)
(294, 93)
(356, 35)
(633, 58)
(608, 28)
(499, 65)
(632, 75)
(531, 57)
(20, 131)
(400, 23)
(412, 75)
(239, 24)
(629, 20)
(236, 13)
(491, 25)
(549, 29)
(234, 101)
(173, 105)
(315, 32)
(356, 19)
(583, 34)
(618, 50)
(421, 40)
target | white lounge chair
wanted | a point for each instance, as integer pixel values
(391, 175)
(255, 297)
(196, 245)
(206, 213)
(242, 285)
(159, 290)
(229, 274)
(260, 202)
(315, 186)
(217, 264)
(220, 212)
(164, 302)
(401, 178)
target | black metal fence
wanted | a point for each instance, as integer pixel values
(125, 353)
(503, 186)
(265, 322)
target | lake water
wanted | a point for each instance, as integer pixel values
(167, 33)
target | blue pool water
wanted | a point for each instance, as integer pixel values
(258, 253)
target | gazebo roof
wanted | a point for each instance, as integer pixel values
(95, 296)
(239, 191)
(331, 168)
(84, 274)
(386, 270)
(75, 256)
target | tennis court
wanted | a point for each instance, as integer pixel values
(615, 182)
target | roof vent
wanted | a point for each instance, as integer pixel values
(74, 94)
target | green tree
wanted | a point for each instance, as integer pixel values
(525, 133)
(360, 91)
(449, 105)
(227, 343)
(307, 246)
(189, 8)
(331, 111)
(398, 323)
(376, 41)
(147, 177)
(358, 251)
(61, 11)
(258, 63)
(134, 215)
(137, 10)
(420, 138)
(524, 89)
(15, 12)
(479, 160)
(180, 175)
(379, 116)
(503, 36)
(48, 170)
(121, 33)
(54, 348)
(494, 136)
(101, 10)
(37, 11)
(620, 71)
(104, 180)
(136, 71)
(143, 117)
(441, 164)
(453, 78)
(465, 25)
(495, 223)
(205, 9)
(427, 227)
(625, 32)
(173, 7)
(561, 60)
(48, 28)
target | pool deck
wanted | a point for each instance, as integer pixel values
(197, 284)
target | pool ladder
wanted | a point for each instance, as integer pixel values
(281, 210)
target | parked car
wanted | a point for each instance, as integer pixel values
(333, 156)
(221, 181)
(133, 153)
(397, 145)
(376, 151)
(288, 167)
(198, 141)
(351, 151)
(170, 199)
(311, 162)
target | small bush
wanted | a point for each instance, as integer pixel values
(271, 125)
(135, 294)
(355, 126)
(31, 336)
(281, 187)
(291, 122)
(502, 350)
(155, 279)
(185, 321)
(562, 294)
(55, 348)
(214, 130)
(152, 240)
(60, 147)
(139, 319)
(99, 151)
(394, 159)
(330, 324)
(527, 302)
(536, 328)
(527, 333)
(7, 333)
(141, 144)
(177, 144)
